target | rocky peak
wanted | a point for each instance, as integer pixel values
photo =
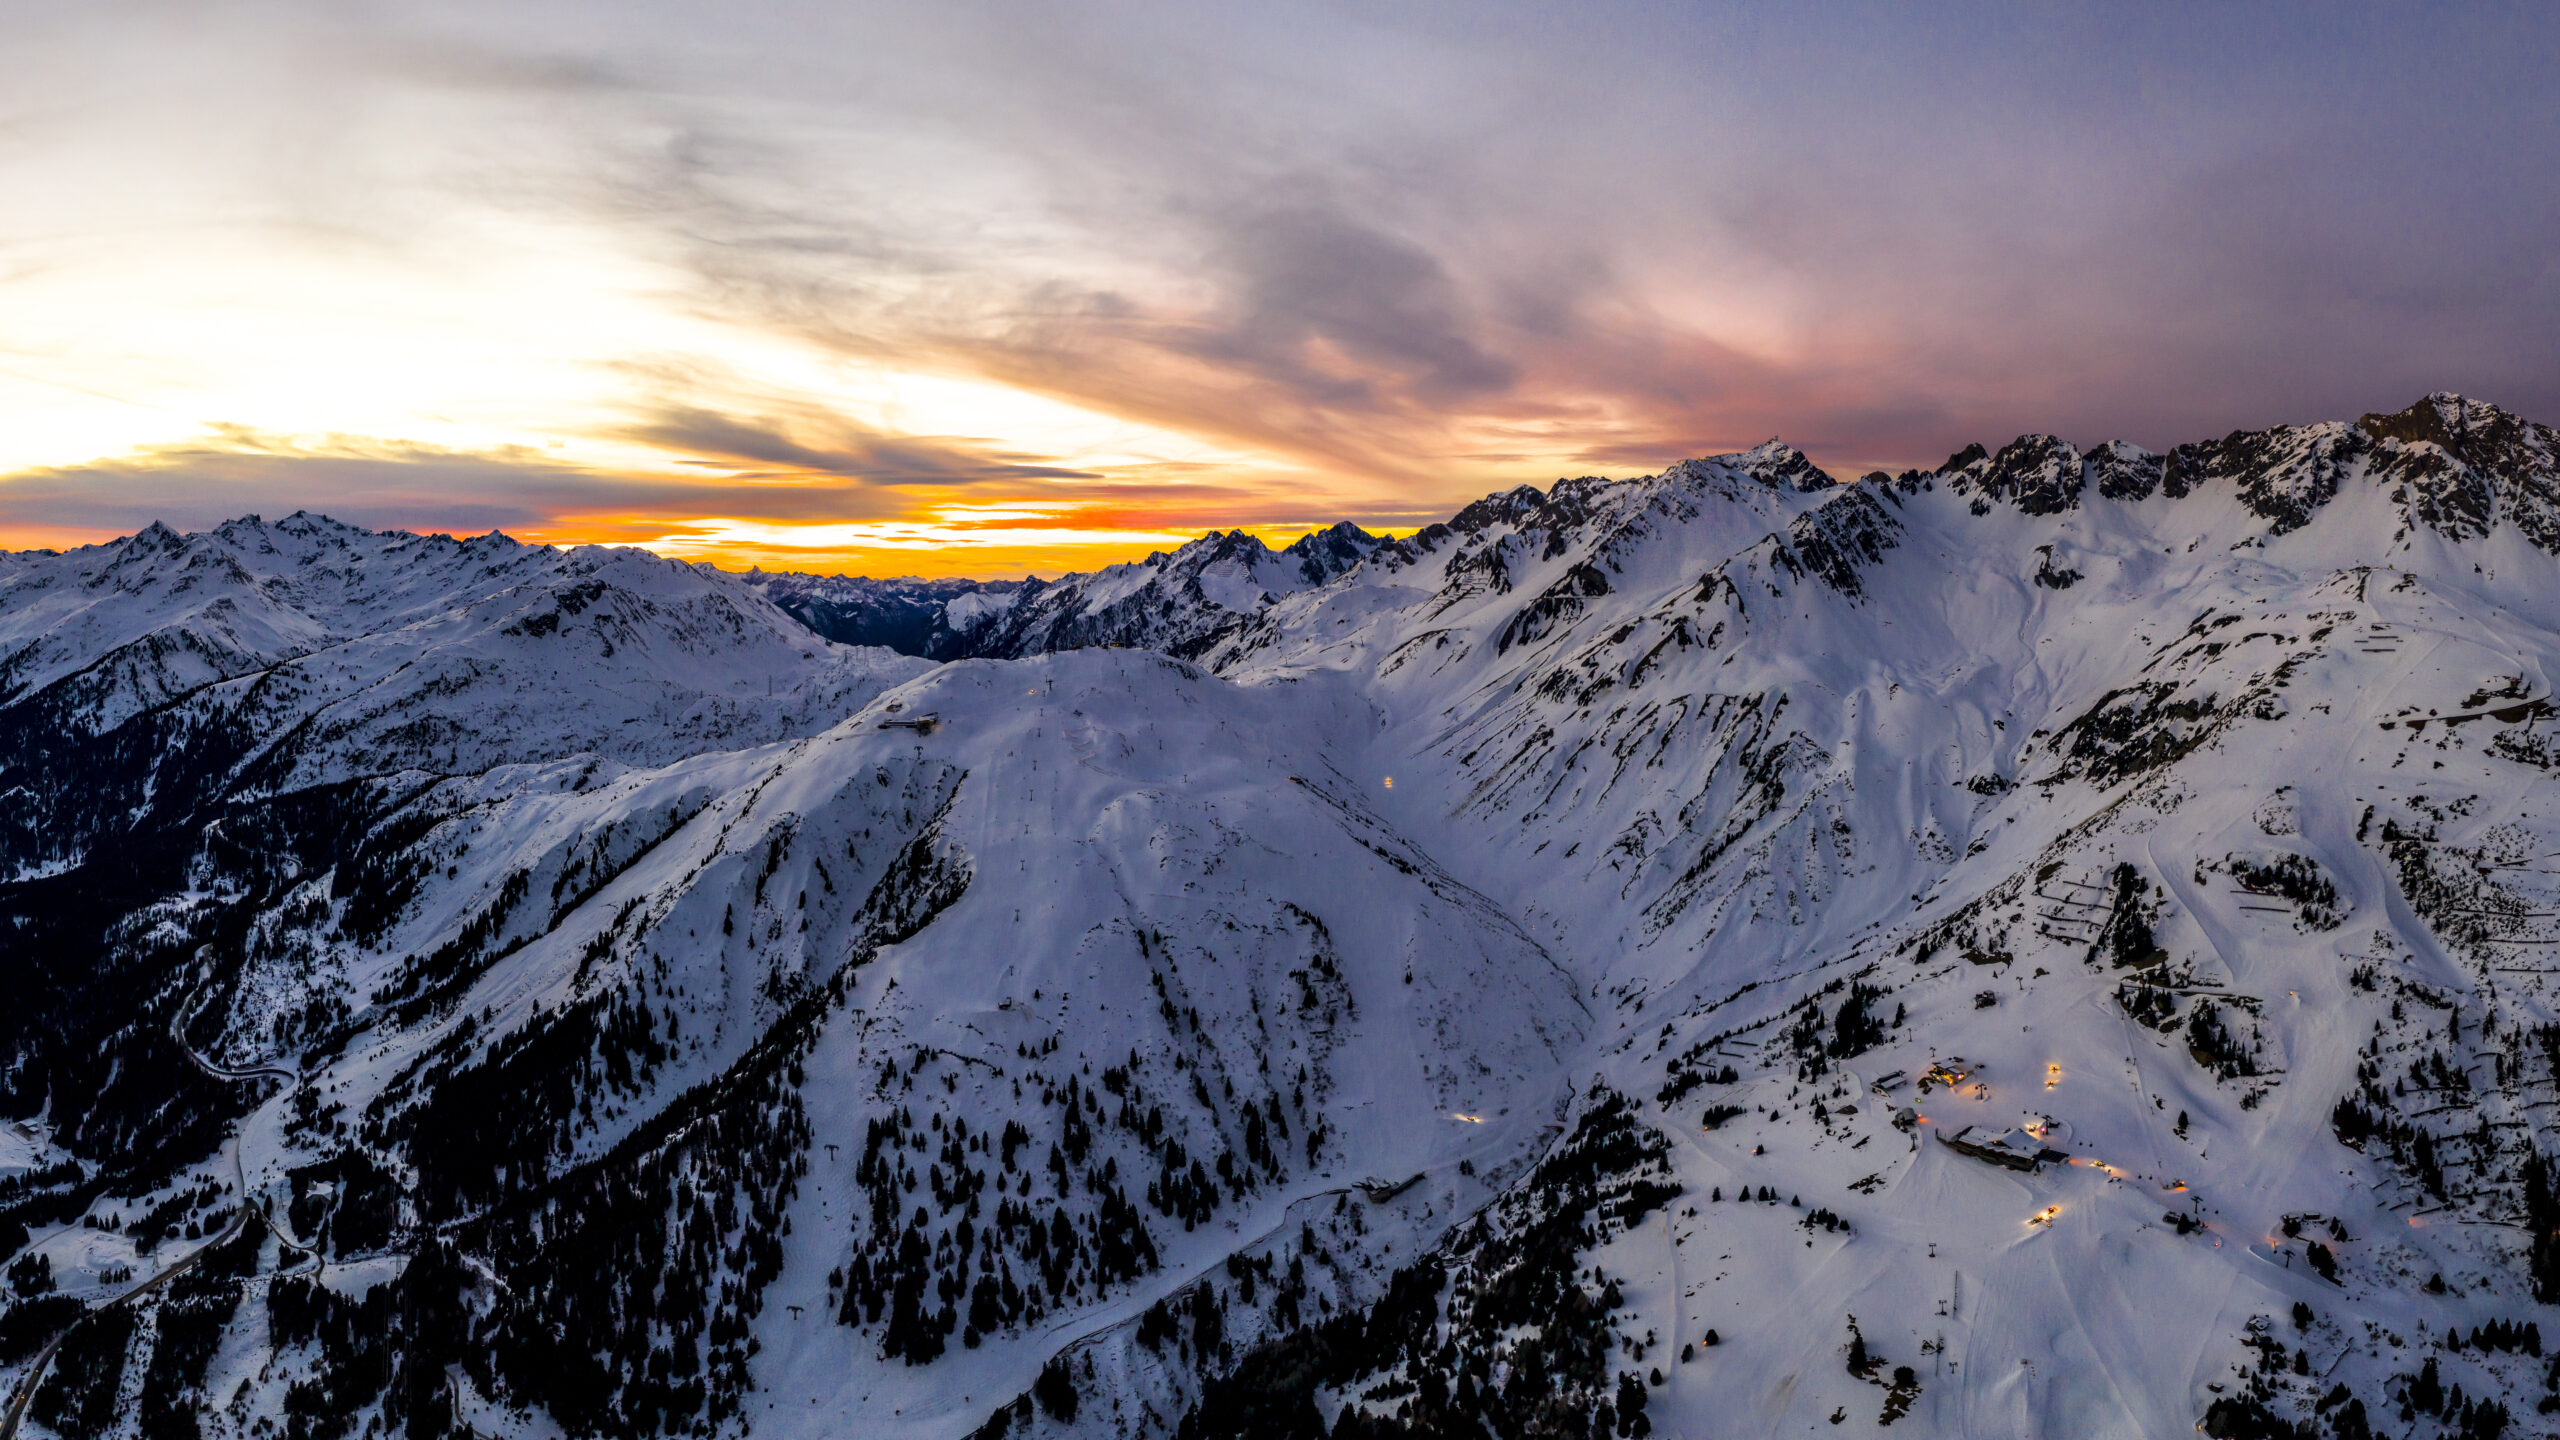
(2284, 474)
(2443, 418)
(2472, 431)
(1196, 555)
(2122, 470)
(2459, 464)
(1503, 507)
(2039, 474)
(1323, 554)
(1779, 465)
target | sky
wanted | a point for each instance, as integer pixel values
(988, 289)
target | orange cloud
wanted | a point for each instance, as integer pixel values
(891, 505)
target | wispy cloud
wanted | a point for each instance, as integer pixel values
(641, 271)
(975, 516)
(767, 448)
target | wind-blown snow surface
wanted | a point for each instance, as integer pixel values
(1098, 1042)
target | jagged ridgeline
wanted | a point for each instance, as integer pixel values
(2058, 943)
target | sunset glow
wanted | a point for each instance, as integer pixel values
(946, 294)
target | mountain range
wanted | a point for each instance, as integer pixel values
(2059, 943)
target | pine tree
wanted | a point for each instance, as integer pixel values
(1056, 1392)
(2542, 1214)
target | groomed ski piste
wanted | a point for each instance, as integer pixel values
(2058, 944)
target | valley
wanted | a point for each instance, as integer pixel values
(2059, 943)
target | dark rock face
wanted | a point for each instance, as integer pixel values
(1323, 554)
(1159, 603)
(2038, 474)
(1833, 543)
(2282, 475)
(2458, 466)
(1505, 508)
(2463, 463)
(907, 616)
(229, 753)
(1555, 603)
(2122, 470)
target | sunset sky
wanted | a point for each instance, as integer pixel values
(981, 289)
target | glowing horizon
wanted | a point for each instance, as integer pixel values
(913, 291)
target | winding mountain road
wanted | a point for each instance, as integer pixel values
(25, 1393)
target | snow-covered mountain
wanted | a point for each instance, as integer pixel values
(1175, 601)
(2056, 944)
(1179, 601)
(164, 671)
(910, 616)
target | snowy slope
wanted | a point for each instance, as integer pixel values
(910, 616)
(174, 669)
(1908, 743)
(2057, 944)
(1179, 601)
(1172, 601)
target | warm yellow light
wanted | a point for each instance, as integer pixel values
(454, 273)
(717, 535)
(551, 343)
